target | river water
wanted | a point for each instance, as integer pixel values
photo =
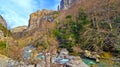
(102, 63)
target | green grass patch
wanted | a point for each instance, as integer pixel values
(2, 45)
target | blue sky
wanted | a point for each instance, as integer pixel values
(16, 12)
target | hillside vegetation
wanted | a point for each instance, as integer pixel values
(90, 27)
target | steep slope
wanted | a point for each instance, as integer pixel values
(3, 28)
(102, 32)
(39, 31)
(2, 21)
(37, 17)
(5, 36)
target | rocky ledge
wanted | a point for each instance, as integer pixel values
(37, 18)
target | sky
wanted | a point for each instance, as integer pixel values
(16, 12)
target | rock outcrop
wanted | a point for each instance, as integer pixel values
(2, 27)
(37, 17)
(76, 62)
(19, 29)
(66, 4)
(2, 21)
(92, 55)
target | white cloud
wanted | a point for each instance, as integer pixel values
(13, 18)
(24, 3)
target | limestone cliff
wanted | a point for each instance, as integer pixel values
(66, 4)
(37, 17)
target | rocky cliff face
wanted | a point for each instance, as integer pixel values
(2, 21)
(66, 4)
(38, 22)
(2, 27)
(37, 17)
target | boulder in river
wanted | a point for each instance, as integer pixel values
(76, 62)
(91, 55)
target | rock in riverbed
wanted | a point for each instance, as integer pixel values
(91, 55)
(76, 62)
